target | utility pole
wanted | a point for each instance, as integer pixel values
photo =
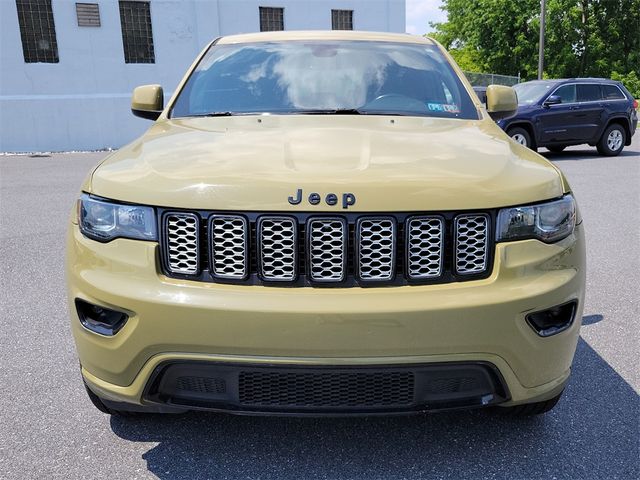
(543, 12)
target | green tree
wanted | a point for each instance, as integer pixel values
(631, 80)
(583, 37)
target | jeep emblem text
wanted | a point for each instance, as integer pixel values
(348, 199)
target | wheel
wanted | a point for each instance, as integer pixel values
(612, 141)
(97, 402)
(529, 409)
(556, 148)
(521, 136)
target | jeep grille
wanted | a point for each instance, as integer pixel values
(376, 248)
(277, 248)
(229, 236)
(425, 247)
(471, 243)
(327, 249)
(332, 250)
(182, 241)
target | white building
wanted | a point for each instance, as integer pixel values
(67, 68)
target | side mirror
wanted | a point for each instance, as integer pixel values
(552, 100)
(502, 102)
(147, 101)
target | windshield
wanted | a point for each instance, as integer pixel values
(531, 92)
(315, 77)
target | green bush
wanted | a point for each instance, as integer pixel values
(630, 80)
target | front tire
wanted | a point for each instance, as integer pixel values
(612, 141)
(530, 409)
(521, 136)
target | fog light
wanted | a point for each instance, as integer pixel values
(553, 320)
(100, 319)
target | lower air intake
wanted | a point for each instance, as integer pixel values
(327, 389)
(201, 384)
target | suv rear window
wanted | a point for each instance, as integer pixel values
(376, 78)
(589, 92)
(611, 92)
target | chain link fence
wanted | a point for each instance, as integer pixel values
(486, 79)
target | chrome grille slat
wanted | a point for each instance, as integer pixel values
(376, 237)
(472, 243)
(228, 237)
(327, 249)
(278, 245)
(425, 245)
(181, 233)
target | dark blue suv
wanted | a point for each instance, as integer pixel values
(558, 113)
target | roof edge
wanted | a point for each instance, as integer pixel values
(324, 35)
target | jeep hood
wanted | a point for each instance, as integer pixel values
(255, 163)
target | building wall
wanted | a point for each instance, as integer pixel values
(82, 102)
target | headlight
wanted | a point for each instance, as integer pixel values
(549, 222)
(103, 221)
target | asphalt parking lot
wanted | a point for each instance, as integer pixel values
(48, 428)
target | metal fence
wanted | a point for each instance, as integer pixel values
(486, 79)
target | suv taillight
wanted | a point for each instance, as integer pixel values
(635, 104)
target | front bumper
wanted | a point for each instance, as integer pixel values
(174, 321)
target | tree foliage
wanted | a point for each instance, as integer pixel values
(583, 37)
(630, 80)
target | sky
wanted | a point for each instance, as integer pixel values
(420, 13)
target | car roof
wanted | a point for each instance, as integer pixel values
(556, 81)
(543, 82)
(324, 35)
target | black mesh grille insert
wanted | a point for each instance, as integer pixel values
(202, 384)
(327, 389)
(452, 385)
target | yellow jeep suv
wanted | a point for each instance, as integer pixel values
(325, 223)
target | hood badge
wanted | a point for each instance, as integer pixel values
(348, 199)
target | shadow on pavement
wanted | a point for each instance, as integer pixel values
(585, 154)
(592, 433)
(591, 319)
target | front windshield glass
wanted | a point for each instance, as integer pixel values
(353, 77)
(531, 92)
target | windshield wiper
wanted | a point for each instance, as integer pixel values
(224, 114)
(311, 111)
(354, 111)
(328, 111)
(213, 114)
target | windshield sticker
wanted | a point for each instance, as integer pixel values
(443, 107)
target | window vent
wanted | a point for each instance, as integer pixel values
(342, 19)
(88, 14)
(37, 31)
(271, 19)
(137, 37)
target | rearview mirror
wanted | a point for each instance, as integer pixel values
(147, 101)
(502, 102)
(552, 100)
